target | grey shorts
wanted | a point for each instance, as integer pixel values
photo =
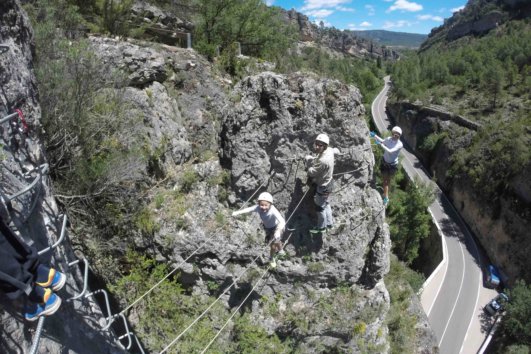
(388, 169)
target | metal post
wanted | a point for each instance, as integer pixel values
(38, 333)
(63, 232)
(6, 118)
(188, 40)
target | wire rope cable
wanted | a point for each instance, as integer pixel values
(236, 311)
(257, 283)
(211, 305)
(230, 286)
(184, 261)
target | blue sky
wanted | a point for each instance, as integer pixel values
(415, 16)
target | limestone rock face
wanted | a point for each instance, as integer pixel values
(343, 42)
(173, 95)
(272, 124)
(476, 27)
(34, 215)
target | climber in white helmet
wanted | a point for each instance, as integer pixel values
(320, 170)
(272, 222)
(389, 165)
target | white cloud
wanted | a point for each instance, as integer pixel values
(269, 2)
(345, 9)
(370, 10)
(405, 5)
(319, 4)
(430, 17)
(319, 13)
(457, 9)
(361, 27)
(396, 24)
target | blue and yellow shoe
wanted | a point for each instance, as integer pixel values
(385, 201)
(49, 307)
(50, 278)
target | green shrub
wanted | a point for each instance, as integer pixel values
(516, 323)
(400, 322)
(188, 179)
(145, 222)
(430, 142)
(409, 219)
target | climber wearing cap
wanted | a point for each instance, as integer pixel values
(392, 146)
(272, 222)
(320, 170)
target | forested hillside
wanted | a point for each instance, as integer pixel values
(393, 39)
(476, 68)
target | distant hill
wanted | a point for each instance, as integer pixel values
(393, 39)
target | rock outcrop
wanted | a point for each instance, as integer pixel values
(327, 295)
(34, 214)
(343, 42)
(476, 19)
(164, 26)
(329, 289)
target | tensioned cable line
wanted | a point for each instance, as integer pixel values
(234, 282)
(230, 286)
(111, 320)
(236, 311)
(257, 283)
(211, 305)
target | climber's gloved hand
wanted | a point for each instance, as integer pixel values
(377, 142)
(372, 134)
(308, 158)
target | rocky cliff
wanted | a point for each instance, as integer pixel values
(34, 214)
(476, 19)
(211, 146)
(500, 224)
(345, 42)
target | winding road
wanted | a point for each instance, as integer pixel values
(454, 295)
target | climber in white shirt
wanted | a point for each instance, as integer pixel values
(272, 221)
(392, 146)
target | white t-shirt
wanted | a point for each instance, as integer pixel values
(391, 150)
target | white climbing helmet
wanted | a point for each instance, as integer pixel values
(323, 138)
(397, 130)
(265, 197)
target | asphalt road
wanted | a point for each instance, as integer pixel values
(453, 307)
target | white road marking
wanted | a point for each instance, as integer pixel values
(458, 293)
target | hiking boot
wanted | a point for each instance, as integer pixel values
(34, 311)
(50, 278)
(273, 263)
